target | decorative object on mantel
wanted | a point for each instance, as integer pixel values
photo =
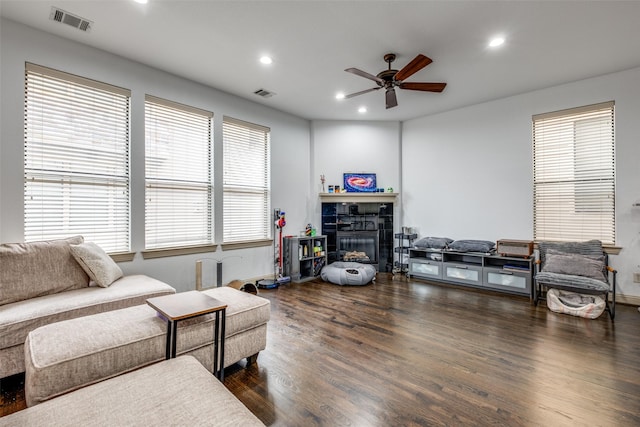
(322, 181)
(360, 182)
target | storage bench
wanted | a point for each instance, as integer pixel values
(64, 356)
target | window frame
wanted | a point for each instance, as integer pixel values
(574, 174)
(89, 123)
(172, 129)
(249, 141)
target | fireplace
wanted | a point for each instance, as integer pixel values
(356, 245)
(352, 226)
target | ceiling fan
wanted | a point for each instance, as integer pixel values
(390, 79)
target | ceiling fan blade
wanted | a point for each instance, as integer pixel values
(364, 74)
(362, 92)
(418, 63)
(390, 98)
(425, 87)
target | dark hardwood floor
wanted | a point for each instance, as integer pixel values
(410, 353)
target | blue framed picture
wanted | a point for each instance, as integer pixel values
(360, 182)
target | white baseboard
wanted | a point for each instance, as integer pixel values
(628, 299)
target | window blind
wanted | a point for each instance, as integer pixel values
(76, 159)
(574, 174)
(247, 191)
(178, 209)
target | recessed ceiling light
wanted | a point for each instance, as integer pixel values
(339, 95)
(266, 60)
(141, 1)
(362, 110)
(496, 41)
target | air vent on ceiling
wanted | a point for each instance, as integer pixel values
(264, 93)
(70, 19)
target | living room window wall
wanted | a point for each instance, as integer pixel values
(247, 193)
(178, 169)
(76, 159)
(574, 174)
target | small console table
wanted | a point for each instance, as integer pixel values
(502, 273)
(187, 305)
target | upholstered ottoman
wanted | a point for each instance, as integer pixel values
(176, 392)
(64, 356)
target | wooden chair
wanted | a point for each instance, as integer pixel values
(580, 267)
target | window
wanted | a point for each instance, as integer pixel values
(246, 200)
(178, 209)
(574, 174)
(76, 155)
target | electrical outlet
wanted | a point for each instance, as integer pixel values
(636, 277)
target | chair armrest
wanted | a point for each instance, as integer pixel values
(611, 269)
(537, 264)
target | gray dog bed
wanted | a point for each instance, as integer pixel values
(348, 273)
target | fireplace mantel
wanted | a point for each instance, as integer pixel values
(358, 197)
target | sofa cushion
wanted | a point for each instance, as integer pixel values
(244, 310)
(96, 263)
(433, 242)
(575, 264)
(34, 269)
(569, 282)
(171, 393)
(17, 319)
(485, 246)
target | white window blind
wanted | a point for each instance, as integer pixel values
(76, 156)
(178, 175)
(574, 174)
(247, 188)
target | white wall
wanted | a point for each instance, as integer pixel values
(467, 174)
(463, 174)
(354, 146)
(290, 138)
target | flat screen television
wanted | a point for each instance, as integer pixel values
(360, 182)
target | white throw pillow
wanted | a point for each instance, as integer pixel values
(97, 264)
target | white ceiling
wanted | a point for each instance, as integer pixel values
(218, 43)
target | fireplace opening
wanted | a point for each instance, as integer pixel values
(358, 246)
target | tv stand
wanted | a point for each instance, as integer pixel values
(479, 270)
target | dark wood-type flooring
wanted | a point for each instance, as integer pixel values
(409, 353)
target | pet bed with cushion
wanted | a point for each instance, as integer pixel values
(348, 273)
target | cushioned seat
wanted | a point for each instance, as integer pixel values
(348, 273)
(17, 319)
(176, 392)
(572, 282)
(63, 356)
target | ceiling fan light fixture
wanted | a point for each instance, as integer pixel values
(496, 41)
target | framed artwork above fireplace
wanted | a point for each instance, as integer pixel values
(360, 182)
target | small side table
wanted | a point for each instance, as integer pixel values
(187, 305)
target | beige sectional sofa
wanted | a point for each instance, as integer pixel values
(44, 282)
